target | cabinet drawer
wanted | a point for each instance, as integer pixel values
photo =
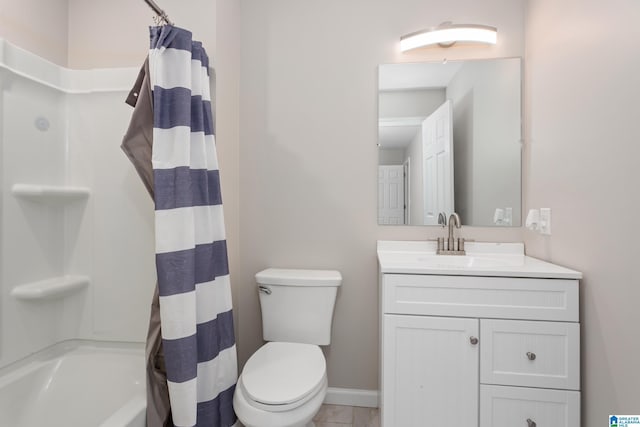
(502, 406)
(530, 354)
(488, 297)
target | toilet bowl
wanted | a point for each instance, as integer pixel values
(282, 385)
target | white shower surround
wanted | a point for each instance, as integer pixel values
(63, 128)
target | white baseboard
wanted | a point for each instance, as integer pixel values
(352, 397)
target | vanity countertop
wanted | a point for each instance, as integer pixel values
(481, 259)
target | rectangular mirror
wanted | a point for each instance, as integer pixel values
(449, 140)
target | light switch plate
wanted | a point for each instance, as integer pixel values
(545, 221)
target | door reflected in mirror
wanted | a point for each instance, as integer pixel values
(449, 140)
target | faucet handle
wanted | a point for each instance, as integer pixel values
(442, 219)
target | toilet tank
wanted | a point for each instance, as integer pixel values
(297, 305)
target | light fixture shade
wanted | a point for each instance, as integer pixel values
(448, 35)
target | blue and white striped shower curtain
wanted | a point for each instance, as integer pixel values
(191, 251)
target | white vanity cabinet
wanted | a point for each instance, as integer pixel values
(479, 350)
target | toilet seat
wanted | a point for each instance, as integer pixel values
(281, 376)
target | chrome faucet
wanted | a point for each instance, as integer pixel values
(451, 246)
(454, 220)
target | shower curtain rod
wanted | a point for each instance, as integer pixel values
(161, 13)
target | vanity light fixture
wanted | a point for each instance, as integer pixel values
(447, 34)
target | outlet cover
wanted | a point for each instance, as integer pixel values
(545, 221)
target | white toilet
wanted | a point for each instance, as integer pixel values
(284, 383)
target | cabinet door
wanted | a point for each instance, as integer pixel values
(502, 406)
(430, 371)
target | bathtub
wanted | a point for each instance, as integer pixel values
(76, 385)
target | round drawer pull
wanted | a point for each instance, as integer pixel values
(530, 423)
(531, 356)
(473, 340)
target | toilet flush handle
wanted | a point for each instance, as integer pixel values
(264, 290)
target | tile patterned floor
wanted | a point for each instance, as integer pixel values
(346, 416)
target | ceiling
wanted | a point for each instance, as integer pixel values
(398, 133)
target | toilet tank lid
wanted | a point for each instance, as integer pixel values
(291, 277)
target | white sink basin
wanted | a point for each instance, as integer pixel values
(482, 259)
(471, 261)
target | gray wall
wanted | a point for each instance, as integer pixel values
(37, 26)
(115, 33)
(416, 180)
(582, 157)
(309, 91)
